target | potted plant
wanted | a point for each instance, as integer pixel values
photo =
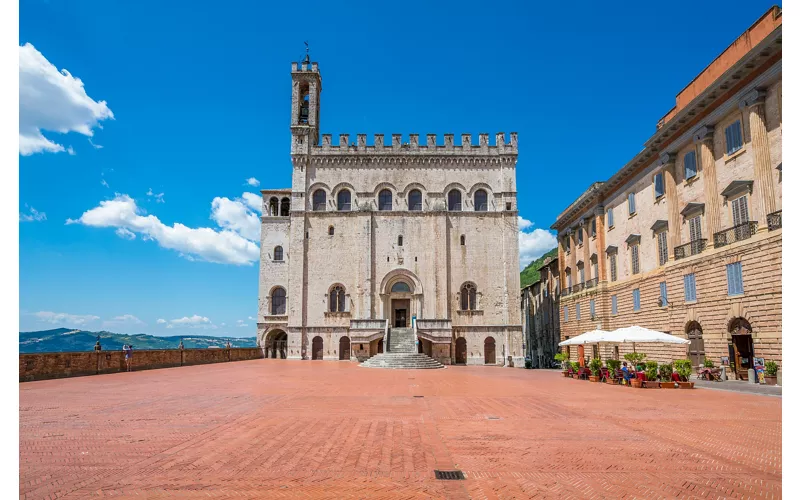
(576, 367)
(612, 365)
(665, 374)
(684, 369)
(636, 360)
(651, 374)
(563, 359)
(707, 363)
(594, 365)
(771, 373)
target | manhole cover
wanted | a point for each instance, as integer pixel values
(449, 474)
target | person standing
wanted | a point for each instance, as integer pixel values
(128, 355)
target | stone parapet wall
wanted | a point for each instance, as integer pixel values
(49, 365)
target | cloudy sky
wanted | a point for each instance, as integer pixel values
(147, 128)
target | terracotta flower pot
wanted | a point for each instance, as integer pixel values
(686, 385)
(611, 381)
(667, 385)
(593, 378)
(566, 373)
(635, 382)
(575, 376)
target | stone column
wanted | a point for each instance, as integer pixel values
(587, 267)
(573, 242)
(753, 103)
(600, 220)
(667, 161)
(704, 138)
(562, 262)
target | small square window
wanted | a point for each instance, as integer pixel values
(690, 165)
(689, 288)
(658, 184)
(631, 203)
(735, 285)
(636, 300)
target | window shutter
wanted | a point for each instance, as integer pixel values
(728, 140)
(690, 164)
(610, 217)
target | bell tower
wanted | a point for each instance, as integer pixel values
(306, 88)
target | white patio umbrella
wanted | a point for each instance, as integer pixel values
(592, 337)
(634, 334)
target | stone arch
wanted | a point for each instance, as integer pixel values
(274, 207)
(461, 351)
(344, 348)
(317, 347)
(696, 348)
(385, 185)
(276, 343)
(454, 185)
(468, 295)
(396, 275)
(480, 185)
(337, 303)
(272, 305)
(489, 351)
(313, 189)
(414, 185)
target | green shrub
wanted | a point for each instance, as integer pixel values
(707, 363)
(561, 358)
(665, 372)
(595, 365)
(576, 366)
(613, 365)
(636, 359)
(771, 368)
(651, 370)
(684, 368)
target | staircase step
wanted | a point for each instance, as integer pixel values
(402, 360)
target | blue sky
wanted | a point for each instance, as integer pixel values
(186, 101)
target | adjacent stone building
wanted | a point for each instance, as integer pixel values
(540, 318)
(686, 237)
(395, 234)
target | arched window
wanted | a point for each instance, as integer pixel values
(481, 201)
(385, 200)
(285, 204)
(343, 200)
(273, 206)
(469, 297)
(336, 299)
(454, 200)
(318, 200)
(277, 254)
(401, 287)
(278, 306)
(415, 200)
(400, 241)
(463, 240)
(330, 230)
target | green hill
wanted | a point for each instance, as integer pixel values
(72, 340)
(531, 273)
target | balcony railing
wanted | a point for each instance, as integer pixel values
(577, 288)
(735, 233)
(691, 248)
(566, 292)
(591, 283)
(774, 220)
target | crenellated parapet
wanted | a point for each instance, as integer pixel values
(396, 145)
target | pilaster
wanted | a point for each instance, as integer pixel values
(600, 222)
(753, 102)
(667, 162)
(704, 138)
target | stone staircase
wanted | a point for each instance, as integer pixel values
(402, 353)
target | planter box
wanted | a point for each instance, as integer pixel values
(771, 379)
(686, 385)
(592, 378)
(651, 384)
(635, 382)
(575, 377)
(566, 374)
(667, 385)
(612, 381)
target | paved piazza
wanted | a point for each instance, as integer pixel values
(289, 429)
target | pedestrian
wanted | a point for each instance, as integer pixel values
(128, 355)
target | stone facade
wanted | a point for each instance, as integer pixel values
(540, 316)
(696, 214)
(388, 235)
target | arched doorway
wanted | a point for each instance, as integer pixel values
(489, 357)
(276, 344)
(316, 348)
(697, 348)
(344, 349)
(461, 351)
(380, 346)
(742, 346)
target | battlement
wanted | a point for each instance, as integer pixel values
(305, 67)
(411, 144)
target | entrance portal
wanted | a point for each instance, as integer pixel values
(277, 345)
(344, 349)
(742, 339)
(316, 348)
(697, 349)
(400, 309)
(461, 351)
(488, 351)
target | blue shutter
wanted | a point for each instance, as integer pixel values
(686, 288)
(663, 287)
(591, 307)
(734, 271)
(613, 304)
(577, 312)
(631, 204)
(566, 314)
(636, 300)
(610, 217)
(658, 180)
(689, 290)
(690, 165)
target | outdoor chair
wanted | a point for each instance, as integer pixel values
(603, 374)
(621, 377)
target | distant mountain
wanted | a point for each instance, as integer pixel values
(531, 273)
(66, 340)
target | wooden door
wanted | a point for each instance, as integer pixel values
(316, 348)
(489, 351)
(461, 350)
(344, 349)
(697, 351)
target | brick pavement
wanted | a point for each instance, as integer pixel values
(288, 429)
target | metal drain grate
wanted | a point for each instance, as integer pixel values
(492, 418)
(419, 396)
(449, 474)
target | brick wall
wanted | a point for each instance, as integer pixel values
(41, 366)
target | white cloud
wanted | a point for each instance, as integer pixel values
(236, 216)
(533, 244)
(52, 100)
(96, 146)
(253, 182)
(33, 215)
(161, 321)
(70, 151)
(104, 183)
(65, 318)
(125, 234)
(158, 197)
(251, 318)
(253, 201)
(195, 322)
(240, 322)
(224, 247)
(123, 321)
